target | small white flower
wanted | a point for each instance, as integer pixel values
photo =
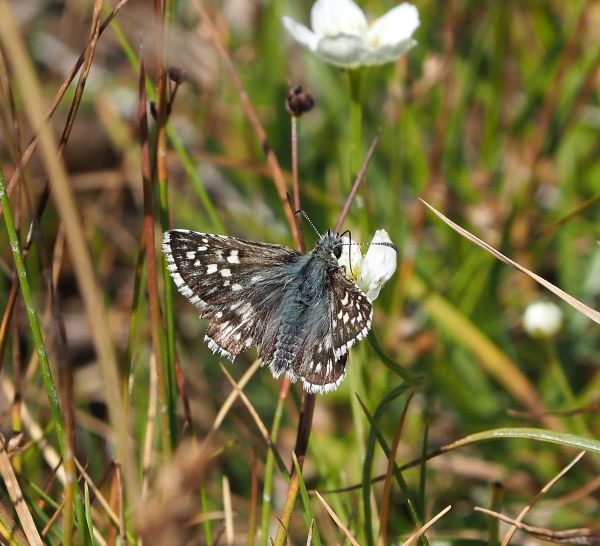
(375, 269)
(342, 36)
(542, 319)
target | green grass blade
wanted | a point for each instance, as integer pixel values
(36, 332)
(309, 516)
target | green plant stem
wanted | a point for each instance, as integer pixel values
(269, 471)
(208, 536)
(355, 148)
(38, 341)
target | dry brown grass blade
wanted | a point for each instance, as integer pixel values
(16, 496)
(228, 510)
(148, 449)
(253, 510)
(337, 520)
(415, 536)
(592, 314)
(234, 394)
(9, 528)
(310, 533)
(583, 535)
(542, 492)
(259, 424)
(66, 205)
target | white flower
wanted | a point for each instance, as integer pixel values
(375, 269)
(341, 36)
(542, 319)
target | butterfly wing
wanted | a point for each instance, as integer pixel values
(313, 344)
(237, 284)
(351, 312)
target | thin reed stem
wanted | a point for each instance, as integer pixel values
(270, 464)
(162, 105)
(152, 280)
(359, 178)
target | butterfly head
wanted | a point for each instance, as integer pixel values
(329, 246)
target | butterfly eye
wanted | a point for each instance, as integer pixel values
(337, 251)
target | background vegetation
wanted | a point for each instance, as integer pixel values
(493, 118)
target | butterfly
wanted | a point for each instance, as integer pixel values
(301, 311)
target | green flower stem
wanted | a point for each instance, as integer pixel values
(38, 340)
(355, 149)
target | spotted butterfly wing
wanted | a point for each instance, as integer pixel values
(232, 281)
(301, 311)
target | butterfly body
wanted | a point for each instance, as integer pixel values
(301, 310)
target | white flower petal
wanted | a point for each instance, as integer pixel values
(341, 36)
(395, 27)
(335, 17)
(350, 258)
(378, 265)
(342, 50)
(542, 319)
(387, 54)
(301, 34)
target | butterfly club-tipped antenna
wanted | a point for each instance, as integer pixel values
(300, 211)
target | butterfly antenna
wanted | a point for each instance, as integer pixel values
(300, 211)
(379, 243)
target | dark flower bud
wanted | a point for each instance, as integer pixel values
(298, 102)
(177, 75)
